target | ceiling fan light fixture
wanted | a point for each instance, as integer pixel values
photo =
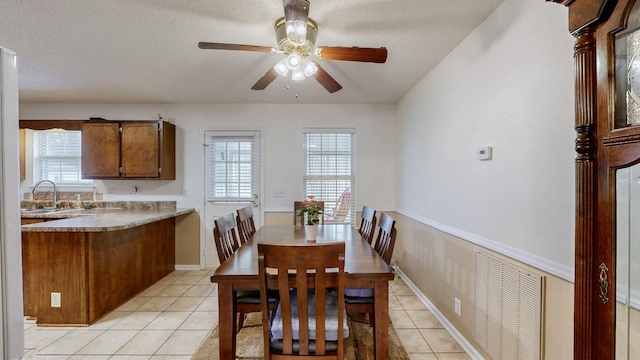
(281, 67)
(297, 31)
(309, 67)
(297, 75)
(293, 61)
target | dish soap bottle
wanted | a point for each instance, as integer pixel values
(78, 202)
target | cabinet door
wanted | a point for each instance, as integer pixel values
(140, 150)
(100, 150)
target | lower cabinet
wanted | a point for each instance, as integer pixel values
(94, 272)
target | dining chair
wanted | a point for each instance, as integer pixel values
(386, 238)
(246, 226)
(224, 233)
(360, 301)
(367, 223)
(309, 319)
(297, 206)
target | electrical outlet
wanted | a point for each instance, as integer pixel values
(185, 192)
(458, 306)
(56, 299)
(111, 191)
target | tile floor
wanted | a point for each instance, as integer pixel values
(172, 318)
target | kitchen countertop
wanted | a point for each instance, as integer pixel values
(96, 220)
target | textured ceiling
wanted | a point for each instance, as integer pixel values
(145, 51)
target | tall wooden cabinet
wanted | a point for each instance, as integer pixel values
(128, 150)
(607, 124)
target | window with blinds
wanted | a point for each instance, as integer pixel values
(232, 166)
(329, 172)
(56, 157)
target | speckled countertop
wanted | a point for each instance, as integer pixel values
(96, 220)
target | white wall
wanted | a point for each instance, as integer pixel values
(508, 85)
(281, 127)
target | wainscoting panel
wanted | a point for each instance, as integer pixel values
(508, 309)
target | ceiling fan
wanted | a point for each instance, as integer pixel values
(296, 35)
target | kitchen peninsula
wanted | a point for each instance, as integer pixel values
(94, 259)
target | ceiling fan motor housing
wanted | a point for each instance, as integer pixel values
(288, 46)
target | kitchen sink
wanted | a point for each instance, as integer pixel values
(43, 211)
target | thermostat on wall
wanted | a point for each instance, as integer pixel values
(484, 153)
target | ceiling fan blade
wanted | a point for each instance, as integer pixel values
(223, 46)
(326, 80)
(264, 81)
(374, 55)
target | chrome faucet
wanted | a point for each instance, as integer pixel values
(55, 191)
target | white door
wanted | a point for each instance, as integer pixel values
(232, 180)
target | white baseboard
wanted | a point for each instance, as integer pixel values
(187, 267)
(461, 340)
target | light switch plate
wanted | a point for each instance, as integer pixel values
(278, 193)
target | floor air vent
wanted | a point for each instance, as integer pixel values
(508, 309)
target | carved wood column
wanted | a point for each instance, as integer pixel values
(586, 189)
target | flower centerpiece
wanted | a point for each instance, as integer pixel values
(310, 212)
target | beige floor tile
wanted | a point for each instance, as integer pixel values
(209, 304)
(200, 290)
(186, 303)
(440, 340)
(130, 357)
(71, 342)
(394, 304)
(453, 356)
(206, 280)
(170, 357)
(413, 341)
(108, 342)
(401, 320)
(168, 321)
(202, 272)
(174, 290)
(135, 303)
(43, 337)
(188, 280)
(183, 342)
(136, 321)
(424, 319)
(418, 356)
(110, 319)
(158, 303)
(402, 290)
(153, 290)
(146, 342)
(87, 357)
(202, 320)
(411, 302)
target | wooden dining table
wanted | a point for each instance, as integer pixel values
(364, 268)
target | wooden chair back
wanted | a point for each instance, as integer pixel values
(246, 226)
(285, 267)
(386, 239)
(367, 223)
(297, 205)
(224, 235)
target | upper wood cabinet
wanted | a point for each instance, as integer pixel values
(128, 150)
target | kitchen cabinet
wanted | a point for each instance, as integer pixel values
(128, 150)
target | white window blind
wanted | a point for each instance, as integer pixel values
(56, 157)
(232, 166)
(329, 171)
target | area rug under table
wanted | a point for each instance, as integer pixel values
(358, 346)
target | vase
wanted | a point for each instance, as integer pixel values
(311, 231)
